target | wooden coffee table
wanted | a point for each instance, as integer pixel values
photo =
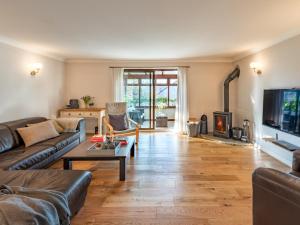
(79, 153)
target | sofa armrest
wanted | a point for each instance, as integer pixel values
(276, 197)
(82, 130)
(296, 161)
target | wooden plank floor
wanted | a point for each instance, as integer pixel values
(174, 180)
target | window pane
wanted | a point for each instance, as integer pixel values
(158, 72)
(132, 96)
(173, 72)
(136, 73)
(132, 81)
(161, 81)
(145, 81)
(161, 96)
(145, 95)
(173, 95)
(173, 81)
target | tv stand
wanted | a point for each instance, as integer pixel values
(286, 145)
(276, 149)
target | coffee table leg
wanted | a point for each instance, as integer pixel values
(132, 150)
(67, 164)
(122, 169)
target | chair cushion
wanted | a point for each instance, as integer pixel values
(6, 139)
(118, 122)
(62, 140)
(24, 158)
(72, 183)
(131, 130)
(37, 133)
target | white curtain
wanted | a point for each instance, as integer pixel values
(182, 107)
(118, 85)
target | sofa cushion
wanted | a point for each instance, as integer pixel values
(37, 133)
(58, 128)
(6, 139)
(24, 158)
(62, 140)
(72, 183)
(14, 125)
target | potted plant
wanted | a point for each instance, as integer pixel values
(87, 99)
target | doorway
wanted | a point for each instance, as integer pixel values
(151, 96)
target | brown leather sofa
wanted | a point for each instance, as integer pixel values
(14, 155)
(17, 162)
(276, 195)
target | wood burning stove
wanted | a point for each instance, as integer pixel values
(223, 120)
(222, 124)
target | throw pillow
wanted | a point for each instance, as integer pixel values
(58, 127)
(118, 122)
(37, 133)
(69, 124)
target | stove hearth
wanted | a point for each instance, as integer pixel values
(222, 124)
(223, 120)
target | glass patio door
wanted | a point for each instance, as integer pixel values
(139, 95)
(165, 97)
(151, 96)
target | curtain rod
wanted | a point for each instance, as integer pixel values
(143, 67)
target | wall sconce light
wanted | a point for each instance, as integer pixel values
(256, 66)
(35, 68)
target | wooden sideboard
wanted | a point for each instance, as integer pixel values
(89, 114)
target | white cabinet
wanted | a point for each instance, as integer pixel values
(93, 117)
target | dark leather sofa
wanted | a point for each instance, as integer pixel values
(73, 183)
(276, 195)
(14, 155)
(17, 162)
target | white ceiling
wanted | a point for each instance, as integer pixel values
(147, 29)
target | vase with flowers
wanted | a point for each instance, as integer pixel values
(87, 99)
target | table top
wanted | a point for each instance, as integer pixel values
(81, 110)
(80, 152)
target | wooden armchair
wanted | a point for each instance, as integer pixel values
(118, 108)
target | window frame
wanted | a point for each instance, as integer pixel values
(141, 76)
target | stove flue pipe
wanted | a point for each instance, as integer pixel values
(233, 75)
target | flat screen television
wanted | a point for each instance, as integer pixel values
(281, 110)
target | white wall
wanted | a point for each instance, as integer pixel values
(280, 69)
(24, 96)
(205, 83)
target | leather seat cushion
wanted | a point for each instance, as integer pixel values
(296, 174)
(23, 158)
(72, 183)
(62, 140)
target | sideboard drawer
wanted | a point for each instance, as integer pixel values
(65, 114)
(78, 114)
(91, 114)
(72, 114)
